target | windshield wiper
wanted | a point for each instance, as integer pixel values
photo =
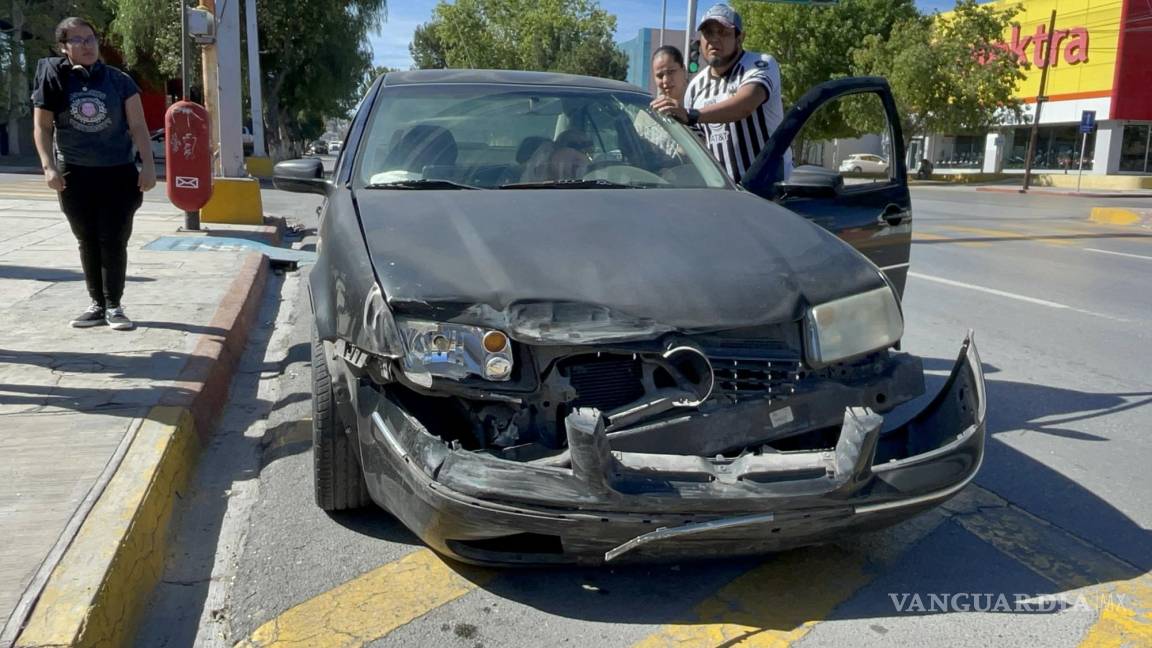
(571, 184)
(426, 183)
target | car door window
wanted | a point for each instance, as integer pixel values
(850, 178)
(848, 136)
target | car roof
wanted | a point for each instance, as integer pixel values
(504, 77)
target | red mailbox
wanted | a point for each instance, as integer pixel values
(188, 155)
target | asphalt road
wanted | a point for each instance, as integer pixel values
(1059, 514)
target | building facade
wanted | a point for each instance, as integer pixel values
(1101, 61)
(640, 49)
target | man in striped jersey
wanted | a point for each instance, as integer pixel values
(734, 101)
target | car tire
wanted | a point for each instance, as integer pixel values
(857, 170)
(337, 475)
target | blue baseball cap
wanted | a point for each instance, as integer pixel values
(724, 15)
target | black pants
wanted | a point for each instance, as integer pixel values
(100, 203)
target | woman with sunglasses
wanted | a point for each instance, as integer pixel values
(91, 114)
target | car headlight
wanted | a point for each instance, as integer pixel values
(853, 326)
(454, 351)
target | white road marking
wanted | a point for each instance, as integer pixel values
(1123, 254)
(1009, 295)
(893, 267)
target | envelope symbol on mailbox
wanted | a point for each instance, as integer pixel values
(186, 182)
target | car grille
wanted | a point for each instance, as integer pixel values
(753, 368)
(606, 383)
(754, 377)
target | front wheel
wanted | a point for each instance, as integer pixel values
(337, 475)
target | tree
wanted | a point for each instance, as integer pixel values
(316, 55)
(948, 73)
(369, 78)
(573, 36)
(28, 35)
(816, 44)
(147, 34)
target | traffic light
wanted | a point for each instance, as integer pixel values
(694, 57)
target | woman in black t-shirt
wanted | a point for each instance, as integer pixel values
(93, 114)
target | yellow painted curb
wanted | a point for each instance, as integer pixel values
(259, 167)
(100, 586)
(1115, 216)
(235, 201)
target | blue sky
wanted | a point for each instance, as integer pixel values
(390, 46)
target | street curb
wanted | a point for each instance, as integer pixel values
(98, 590)
(1070, 194)
(1121, 216)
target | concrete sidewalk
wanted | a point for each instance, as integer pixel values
(98, 428)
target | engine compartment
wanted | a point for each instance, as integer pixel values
(723, 393)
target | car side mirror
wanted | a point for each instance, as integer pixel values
(810, 182)
(301, 176)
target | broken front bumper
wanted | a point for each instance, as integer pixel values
(611, 505)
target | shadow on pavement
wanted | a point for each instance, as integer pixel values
(231, 459)
(50, 275)
(377, 523)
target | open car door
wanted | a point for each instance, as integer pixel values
(870, 208)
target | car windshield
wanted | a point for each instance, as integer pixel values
(526, 137)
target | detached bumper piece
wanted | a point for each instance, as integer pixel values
(611, 505)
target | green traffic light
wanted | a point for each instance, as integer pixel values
(693, 67)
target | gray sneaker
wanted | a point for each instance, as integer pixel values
(117, 320)
(94, 316)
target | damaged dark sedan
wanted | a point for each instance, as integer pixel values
(548, 328)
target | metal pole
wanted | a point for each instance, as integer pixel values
(212, 91)
(191, 218)
(183, 50)
(663, 21)
(690, 27)
(1080, 176)
(254, 89)
(1040, 99)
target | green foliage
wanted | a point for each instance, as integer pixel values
(815, 44)
(316, 55)
(943, 71)
(147, 34)
(370, 77)
(573, 36)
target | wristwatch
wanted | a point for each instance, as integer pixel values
(693, 116)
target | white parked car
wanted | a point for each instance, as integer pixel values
(864, 163)
(159, 152)
(334, 146)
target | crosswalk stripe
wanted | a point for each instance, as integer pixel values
(772, 605)
(925, 236)
(371, 605)
(1010, 234)
(1120, 592)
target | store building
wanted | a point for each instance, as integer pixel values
(1100, 60)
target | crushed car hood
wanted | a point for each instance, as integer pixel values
(568, 266)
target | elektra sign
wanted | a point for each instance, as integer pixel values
(1072, 43)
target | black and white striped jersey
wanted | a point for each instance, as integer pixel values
(736, 144)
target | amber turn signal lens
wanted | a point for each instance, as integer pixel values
(495, 341)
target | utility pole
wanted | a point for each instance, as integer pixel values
(663, 20)
(212, 91)
(254, 87)
(191, 218)
(690, 26)
(231, 105)
(1046, 56)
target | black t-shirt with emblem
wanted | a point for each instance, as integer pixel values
(91, 121)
